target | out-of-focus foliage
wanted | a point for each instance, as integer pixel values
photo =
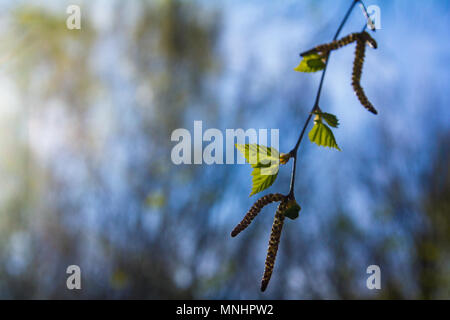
(42, 51)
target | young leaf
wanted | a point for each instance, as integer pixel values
(331, 119)
(311, 63)
(322, 135)
(257, 155)
(265, 162)
(261, 181)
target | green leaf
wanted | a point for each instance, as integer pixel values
(311, 63)
(262, 180)
(265, 162)
(322, 135)
(331, 119)
(292, 212)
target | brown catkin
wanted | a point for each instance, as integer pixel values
(254, 210)
(274, 241)
(357, 69)
(371, 41)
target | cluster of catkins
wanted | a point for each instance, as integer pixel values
(275, 235)
(361, 39)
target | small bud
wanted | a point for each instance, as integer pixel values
(284, 158)
(317, 118)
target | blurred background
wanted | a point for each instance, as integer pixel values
(86, 176)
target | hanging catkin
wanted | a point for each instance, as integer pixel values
(274, 241)
(361, 41)
(254, 210)
(334, 45)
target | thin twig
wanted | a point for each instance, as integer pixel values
(366, 14)
(315, 107)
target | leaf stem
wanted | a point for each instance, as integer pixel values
(294, 151)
